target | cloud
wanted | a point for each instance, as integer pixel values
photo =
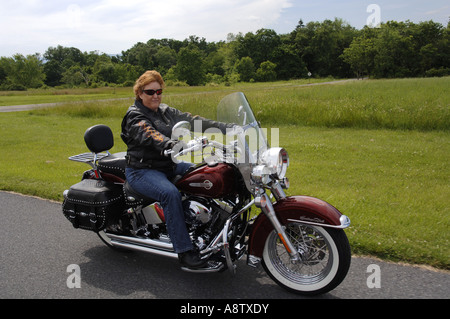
(443, 11)
(28, 26)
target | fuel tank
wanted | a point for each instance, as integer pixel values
(215, 181)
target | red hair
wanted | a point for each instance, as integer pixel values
(146, 78)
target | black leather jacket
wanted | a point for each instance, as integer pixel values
(147, 134)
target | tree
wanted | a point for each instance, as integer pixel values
(24, 72)
(3, 71)
(246, 69)
(396, 49)
(75, 76)
(320, 45)
(165, 58)
(58, 60)
(140, 55)
(228, 52)
(266, 72)
(429, 41)
(360, 56)
(394, 52)
(104, 69)
(190, 67)
(289, 63)
(259, 46)
(126, 73)
(215, 63)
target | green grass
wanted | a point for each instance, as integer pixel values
(392, 183)
(394, 186)
(40, 96)
(411, 104)
(407, 104)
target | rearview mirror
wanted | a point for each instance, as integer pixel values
(181, 129)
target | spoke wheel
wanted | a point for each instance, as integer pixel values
(325, 259)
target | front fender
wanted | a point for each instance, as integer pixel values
(303, 209)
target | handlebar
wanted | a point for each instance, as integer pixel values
(198, 144)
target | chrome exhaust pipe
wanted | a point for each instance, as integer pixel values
(153, 251)
(157, 247)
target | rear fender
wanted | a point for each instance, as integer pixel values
(302, 209)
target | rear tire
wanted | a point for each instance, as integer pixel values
(325, 254)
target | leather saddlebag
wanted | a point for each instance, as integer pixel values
(93, 204)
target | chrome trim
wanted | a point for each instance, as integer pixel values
(215, 245)
(269, 211)
(212, 267)
(345, 222)
(277, 191)
(246, 207)
(89, 158)
(277, 161)
(141, 242)
(154, 251)
(253, 261)
(226, 247)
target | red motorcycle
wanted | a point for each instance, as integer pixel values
(234, 203)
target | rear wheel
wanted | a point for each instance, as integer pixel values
(325, 259)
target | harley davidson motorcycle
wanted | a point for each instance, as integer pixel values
(234, 202)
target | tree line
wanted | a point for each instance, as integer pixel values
(318, 49)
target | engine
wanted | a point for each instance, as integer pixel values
(204, 218)
(196, 213)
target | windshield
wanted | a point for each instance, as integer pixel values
(234, 108)
(251, 140)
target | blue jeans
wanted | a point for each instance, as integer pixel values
(156, 184)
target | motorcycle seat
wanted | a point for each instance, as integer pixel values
(113, 164)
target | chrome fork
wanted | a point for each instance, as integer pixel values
(263, 201)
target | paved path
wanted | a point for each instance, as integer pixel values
(38, 244)
(27, 107)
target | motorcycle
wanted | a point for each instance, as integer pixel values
(234, 202)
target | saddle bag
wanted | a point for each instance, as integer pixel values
(93, 204)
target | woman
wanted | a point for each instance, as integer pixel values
(146, 129)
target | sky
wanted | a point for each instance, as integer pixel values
(113, 26)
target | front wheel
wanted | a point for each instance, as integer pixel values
(325, 259)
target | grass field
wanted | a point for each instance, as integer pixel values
(377, 150)
(37, 96)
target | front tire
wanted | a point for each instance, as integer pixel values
(325, 259)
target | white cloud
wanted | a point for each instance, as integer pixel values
(29, 26)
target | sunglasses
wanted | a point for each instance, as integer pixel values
(152, 92)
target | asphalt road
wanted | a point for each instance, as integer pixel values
(38, 244)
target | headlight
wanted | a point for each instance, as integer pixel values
(277, 160)
(261, 174)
